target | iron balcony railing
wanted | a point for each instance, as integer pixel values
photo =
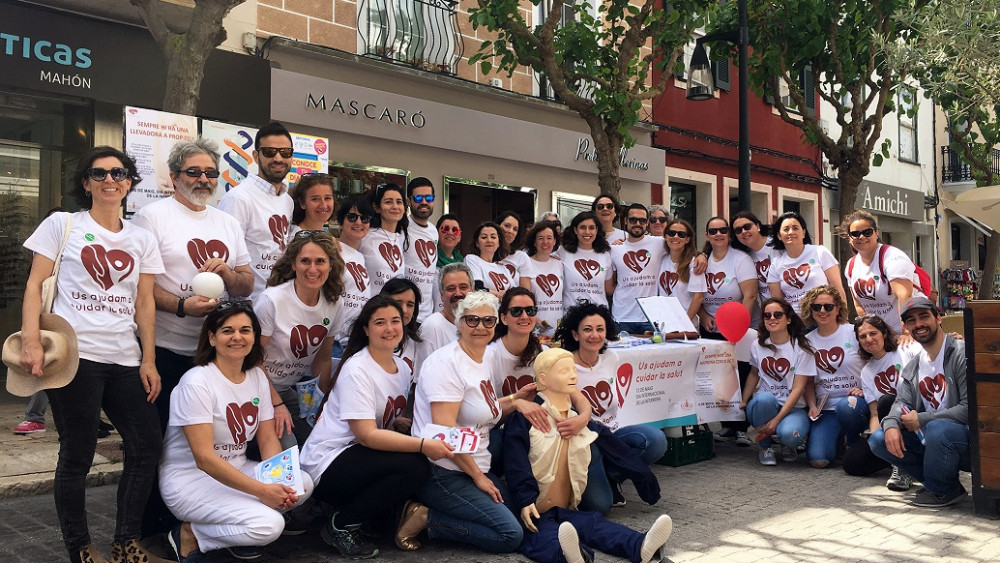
(954, 169)
(421, 33)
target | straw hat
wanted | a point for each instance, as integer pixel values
(62, 357)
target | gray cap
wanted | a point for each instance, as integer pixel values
(915, 303)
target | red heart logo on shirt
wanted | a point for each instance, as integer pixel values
(623, 382)
(865, 289)
(500, 281)
(796, 277)
(548, 283)
(668, 281)
(510, 268)
(636, 260)
(775, 368)
(426, 251)
(279, 229)
(201, 251)
(887, 381)
(359, 274)
(830, 360)
(101, 264)
(513, 383)
(241, 420)
(762, 267)
(600, 396)
(587, 268)
(715, 281)
(391, 254)
(302, 338)
(393, 408)
(490, 395)
(932, 390)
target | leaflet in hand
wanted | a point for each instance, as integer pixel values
(465, 440)
(283, 469)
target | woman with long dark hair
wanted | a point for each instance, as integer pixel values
(605, 208)
(798, 265)
(361, 465)
(314, 203)
(510, 224)
(586, 257)
(387, 241)
(548, 281)
(730, 277)
(487, 250)
(750, 236)
(677, 277)
(406, 294)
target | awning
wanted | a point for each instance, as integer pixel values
(981, 204)
(956, 207)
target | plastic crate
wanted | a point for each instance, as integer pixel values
(695, 444)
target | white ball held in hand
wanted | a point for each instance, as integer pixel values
(208, 284)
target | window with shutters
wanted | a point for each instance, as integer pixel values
(806, 86)
(907, 114)
(542, 88)
(720, 70)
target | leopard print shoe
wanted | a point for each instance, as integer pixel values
(89, 554)
(131, 551)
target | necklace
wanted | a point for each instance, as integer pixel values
(585, 362)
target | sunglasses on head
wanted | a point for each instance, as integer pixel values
(197, 172)
(657, 219)
(99, 174)
(352, 217)
(472, 321)
(817, 307)
(446, 230)
(743, 227)
(311, 234)
(603, 206)
(776, 314)
(269, 152)
(637, 220)
(429, 198)
(238, 305)
(862, 233)
(677, 234)
(718, 230)
(518, 311)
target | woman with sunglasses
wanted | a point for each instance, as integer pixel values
(361, 464)
(406, 294)
(677, 277)
(879, 379)
(750, 236)
(605, 208)
(869, 269)
(464, 499)
(798, 265)
(548, 282)
(586, 258)
(487, 250)
(783, 364)
(314, 203)
(836, 401)
(296, 314)
(450, 235)
(355, 219)
(387, 241)
(659, 216)
(730, 277)
(112, 261)
(219, 406)
(585, 331)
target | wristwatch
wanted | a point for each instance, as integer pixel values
(180, 307)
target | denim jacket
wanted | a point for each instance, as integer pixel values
(957, 392)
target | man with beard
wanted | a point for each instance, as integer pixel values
(261, 203)
(193, 237)
(635, 264)
(421, 256)
(454, 282)
(926, 433)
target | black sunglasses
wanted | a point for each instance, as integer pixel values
(718, 230)
(429, 198)
(637, 220)
(269, 152)
(603, 206)
(311, 234)
(678, 234)
(352, 217)
(744, 227)
(862, 233)
(196, 173)
(817, 307)
(518, 311)
(99, 174)
(658, 219)
(777, 314)
(239, 305)
(472, 321)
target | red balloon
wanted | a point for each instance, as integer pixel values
(732, 319)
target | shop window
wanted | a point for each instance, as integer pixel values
(683, 202)
(475, 202)
(568, 206)
(351, 181)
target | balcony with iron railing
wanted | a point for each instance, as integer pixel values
(954, 169)
(423, 34)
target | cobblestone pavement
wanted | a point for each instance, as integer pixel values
(726, 509)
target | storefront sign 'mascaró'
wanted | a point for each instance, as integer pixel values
(375, 112)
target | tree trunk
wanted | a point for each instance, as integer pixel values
(185, 71)
(990, 267)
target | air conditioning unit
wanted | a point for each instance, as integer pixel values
(496, 82)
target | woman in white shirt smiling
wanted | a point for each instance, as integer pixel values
(798, 265)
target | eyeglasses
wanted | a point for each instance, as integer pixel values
(817, 307)
(603, 206)
(777, 315)
(99, 174)
(657, 219)
(269, 152)
(311, 234)
(352, 217)
(449, 230)
(676, 234)
(862, 233)
(422, 198)
(718, 230)
(637, 220)
(743, 227)
(472, 321)
(518, 311)
(196, 173)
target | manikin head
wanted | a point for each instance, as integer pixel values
(555, 372)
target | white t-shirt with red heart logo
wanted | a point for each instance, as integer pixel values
(669, 283)
(723, 279)
(384, 257)
(838, 365)
(636, 265)
(931, 383)
(357, 290)
(599, 385)
(800, 274)
(881, 377)
(421, 264)
(777, 370)
(584, 272)
(868, 284)
(547, 285)
(495, 276)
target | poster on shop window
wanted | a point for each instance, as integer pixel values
(236, 160)
(312, 155)
(149, 136)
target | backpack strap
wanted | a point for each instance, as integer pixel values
(881, 266)
(850, 265)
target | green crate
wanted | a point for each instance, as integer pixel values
(696, 444)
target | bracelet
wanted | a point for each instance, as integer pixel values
(512, 398)
(281, 404)
(421, 450)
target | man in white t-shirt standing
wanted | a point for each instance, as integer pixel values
(261, 203)
(635, 265)
(455, 282)
(926, 433)
(420, 257)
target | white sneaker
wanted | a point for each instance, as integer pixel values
(569, 541)
(743, 440)
(766, 456)
(899, 481)
(656, 538)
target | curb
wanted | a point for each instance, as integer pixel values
(42, 483)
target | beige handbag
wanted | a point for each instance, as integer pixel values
(49, 283)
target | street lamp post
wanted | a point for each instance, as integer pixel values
(701, 86)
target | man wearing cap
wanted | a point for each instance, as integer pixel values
(926, 433)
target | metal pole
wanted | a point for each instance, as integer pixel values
(744, 165)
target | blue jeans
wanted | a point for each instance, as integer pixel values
(460, 511)
(792, 430)
(853, 414)
(635, 327)
(824, 432)
(649, 444)
(594, 532)
(935, 464)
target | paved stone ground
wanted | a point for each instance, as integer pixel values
(726, 509)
